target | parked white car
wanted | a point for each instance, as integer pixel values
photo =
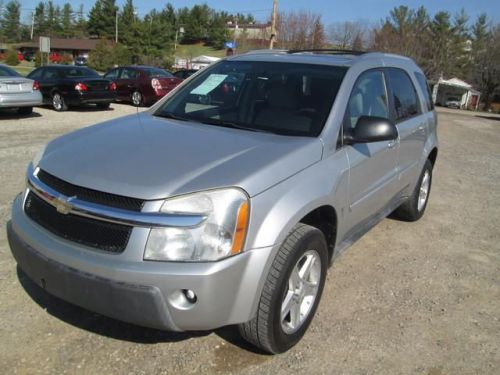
(18, 92)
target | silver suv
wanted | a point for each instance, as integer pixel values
(226, 202)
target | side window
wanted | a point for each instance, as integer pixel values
(128, 73)
(424, 86)
(37, 74)
(113, 74)
(368, 98)
(51, 74)
(405, 99)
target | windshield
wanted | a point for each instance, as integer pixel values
(282, 98)
(156, 72)
(8, 72)
(79, 72)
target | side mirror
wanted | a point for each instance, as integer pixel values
(372, 129)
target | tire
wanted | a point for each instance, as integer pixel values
(137, 98)
(271, 331)
(58, 102)
(103, 105)
(25, 111)
(414, 208)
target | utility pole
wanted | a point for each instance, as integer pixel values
(32, 24)
(273, 24)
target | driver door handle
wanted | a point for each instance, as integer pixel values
(391, 144)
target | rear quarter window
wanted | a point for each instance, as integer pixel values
(424, 86)
(404, 96)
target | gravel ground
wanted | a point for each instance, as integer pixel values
(408, 298)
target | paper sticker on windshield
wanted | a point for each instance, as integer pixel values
(209, 84)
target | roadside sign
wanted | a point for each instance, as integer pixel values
(45, 44)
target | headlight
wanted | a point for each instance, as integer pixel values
(222, 234)
(38, 156)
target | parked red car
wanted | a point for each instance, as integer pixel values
(142, 85)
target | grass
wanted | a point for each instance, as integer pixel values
(188, 51)
(23, 69)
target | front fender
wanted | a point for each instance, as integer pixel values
(278, 209)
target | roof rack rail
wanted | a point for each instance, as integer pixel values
(331, 51)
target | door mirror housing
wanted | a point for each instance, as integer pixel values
(371, 129)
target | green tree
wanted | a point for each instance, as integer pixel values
(10, 21)
(40, 20)
(80, 26)
(101, 21)
(67, 21)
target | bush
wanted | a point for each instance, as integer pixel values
(38, 59)
(106, 56)
(11, 58)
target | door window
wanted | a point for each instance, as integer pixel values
(368, 98)
(113, 74)
(51, 74)
(128, 73)
(404, 95)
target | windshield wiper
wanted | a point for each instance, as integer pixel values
(230, 124)
(171, 115)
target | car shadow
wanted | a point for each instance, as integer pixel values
(112, 328)
(13, 115)
(495, 118)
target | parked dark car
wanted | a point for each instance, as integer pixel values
(64, 86)
(29, 55)
(142, 85)
(184, 73)
(80, 61)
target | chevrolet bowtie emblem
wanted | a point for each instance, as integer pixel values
(63, 205)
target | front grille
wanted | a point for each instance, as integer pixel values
(94, 233)
(89, 195)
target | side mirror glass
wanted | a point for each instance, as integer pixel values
(372, 129)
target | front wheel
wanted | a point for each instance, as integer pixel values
(414, 208)
(291, 292)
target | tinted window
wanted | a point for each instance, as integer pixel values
(8, 72)
(368, 98)
(424, 86)
(51, 74)
(113, 74)
(283, 98)
(404, 95)
(79, 72)
(156, 72)
(36, 74)
(128, 73)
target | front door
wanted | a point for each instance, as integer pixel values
(373, 166)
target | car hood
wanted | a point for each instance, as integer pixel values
(148, 157)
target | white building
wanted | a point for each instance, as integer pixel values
(453, 89)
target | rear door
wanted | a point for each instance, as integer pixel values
(127, 82)
(48, 81)
(373, 166)
(411, 123)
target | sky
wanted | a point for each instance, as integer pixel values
(331, 10)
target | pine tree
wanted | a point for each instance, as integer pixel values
(10, 21)
(40, 20)
(101, 22)
(67, 21)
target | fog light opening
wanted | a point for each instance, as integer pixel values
(190, 295)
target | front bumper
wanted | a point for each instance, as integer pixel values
(125, 287)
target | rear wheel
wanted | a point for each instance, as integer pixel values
(137, 98)
(58, 102)
(414, 208)
(25, 110)
(291, 292)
